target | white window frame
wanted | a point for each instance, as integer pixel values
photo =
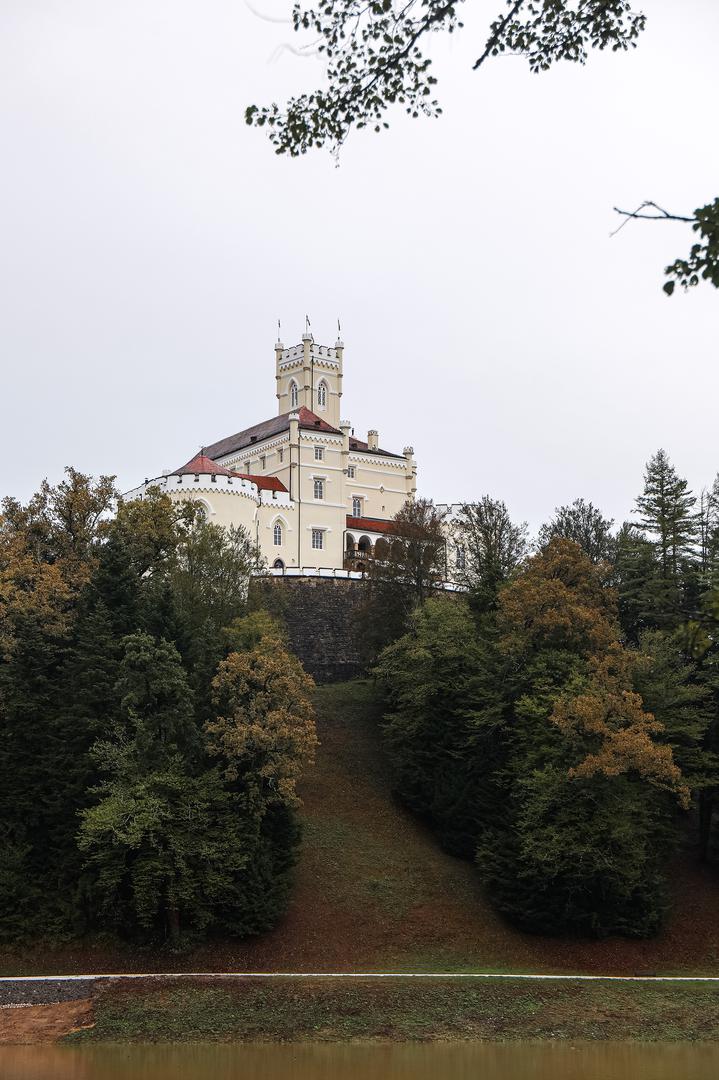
(356, 503)
(294, 394)
(350, 472)
(318, 539)
(322, 396)
(318, 485)
(319, 453)
(277, 531)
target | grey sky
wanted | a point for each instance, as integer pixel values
(150, 241)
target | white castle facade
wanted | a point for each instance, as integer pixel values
(309, 492)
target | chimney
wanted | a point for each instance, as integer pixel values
(373, 439)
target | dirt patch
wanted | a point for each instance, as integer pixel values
(23, 1024)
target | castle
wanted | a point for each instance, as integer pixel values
(308, 491)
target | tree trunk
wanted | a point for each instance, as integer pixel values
(173, 924)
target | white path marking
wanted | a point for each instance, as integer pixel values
(355, 975)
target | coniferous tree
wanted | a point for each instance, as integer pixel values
(709, 535)
(444, 725)
(668, 519)
(48, 552)
(163, 841)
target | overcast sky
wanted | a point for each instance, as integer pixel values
(150, 241)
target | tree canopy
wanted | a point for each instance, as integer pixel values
(377, 58)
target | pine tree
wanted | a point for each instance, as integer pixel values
(669, 519)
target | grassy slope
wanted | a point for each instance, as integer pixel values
(374, 892)
(332, 1011)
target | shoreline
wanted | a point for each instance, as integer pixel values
(331, 1009)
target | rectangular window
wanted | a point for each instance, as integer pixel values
(247, 466)
(281, 455)
(351, 472)
(319, 453)
(263, 461)
(319, 489)
(356, 507)
(318, 539)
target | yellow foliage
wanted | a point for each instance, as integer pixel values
(613, 713)
(266, 719)
(560, 598)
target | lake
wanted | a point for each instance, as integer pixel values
(375, 1061)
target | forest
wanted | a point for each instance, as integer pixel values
(554, 722)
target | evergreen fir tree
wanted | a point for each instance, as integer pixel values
(444, 725)
(667, 516)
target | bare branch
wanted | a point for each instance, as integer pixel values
(662, 215)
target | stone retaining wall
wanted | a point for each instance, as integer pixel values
(323, 617)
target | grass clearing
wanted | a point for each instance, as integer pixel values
(332, 1010)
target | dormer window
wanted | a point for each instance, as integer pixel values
(294, 395)
(322, 395)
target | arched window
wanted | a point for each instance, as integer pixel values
(356, 507)
(278, 564)
(277, 534)
(322, 395)
(381, 549)
(294, 395)
(461, 558)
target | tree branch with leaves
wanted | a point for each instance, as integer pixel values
(376, 58)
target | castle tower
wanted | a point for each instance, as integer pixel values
(310, 375)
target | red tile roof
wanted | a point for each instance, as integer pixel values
(363, 524)
(201, 463)
(364, 448)
(267, 429)
(309, 421)
(264, 483)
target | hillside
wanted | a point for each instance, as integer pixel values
(374, 892)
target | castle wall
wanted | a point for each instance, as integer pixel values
(323, 621)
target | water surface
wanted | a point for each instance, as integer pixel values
(398, 1061)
